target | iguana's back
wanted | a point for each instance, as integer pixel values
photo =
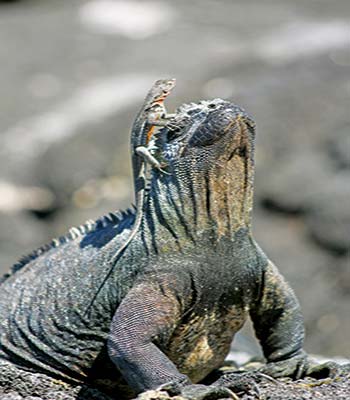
(44, 305)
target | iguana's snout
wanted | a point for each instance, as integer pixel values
(223, 122)
(215, 128)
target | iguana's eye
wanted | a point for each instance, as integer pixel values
(193, 111)
(173, 132)
(176, 126)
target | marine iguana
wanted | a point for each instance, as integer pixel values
(185, 284)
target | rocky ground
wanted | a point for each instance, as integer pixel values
(73, 75)
(254, 386)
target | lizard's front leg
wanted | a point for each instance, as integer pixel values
(157, 114)
(162, 120)
(156, 117)
(147, 156)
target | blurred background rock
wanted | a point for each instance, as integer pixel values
(74, 73)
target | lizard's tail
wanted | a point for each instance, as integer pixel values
(120, 252)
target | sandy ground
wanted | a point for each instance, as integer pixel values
(73, 75)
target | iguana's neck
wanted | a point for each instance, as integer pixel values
(203, 203)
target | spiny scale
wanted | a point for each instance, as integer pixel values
(73, 233)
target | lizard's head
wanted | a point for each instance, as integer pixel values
(208, 151)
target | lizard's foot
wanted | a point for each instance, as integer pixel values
(152, 147)
(156, 120)
(145, 153)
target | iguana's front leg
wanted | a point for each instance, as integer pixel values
(278, 324)
(146, 318)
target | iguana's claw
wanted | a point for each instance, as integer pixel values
(295, 367)
(153, 395)
(240, 381)
(198, 392)
(328, 369)
(302, 366)
(203, 392)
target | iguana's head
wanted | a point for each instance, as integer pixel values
(208, 151)
(208, 133)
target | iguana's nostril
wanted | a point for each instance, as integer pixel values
(191, 112)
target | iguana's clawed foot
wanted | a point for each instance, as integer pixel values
(298, 367)
(191, 392)
(295, 367)
(301, 366)
(203, 392)
(242, 381)
(199, 392)
(328, 369)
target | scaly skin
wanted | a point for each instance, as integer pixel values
(183, 287)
